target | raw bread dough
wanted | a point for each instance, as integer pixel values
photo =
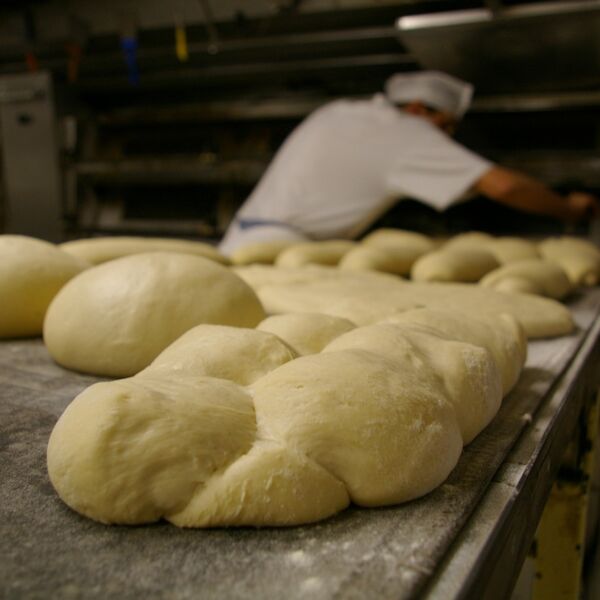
(378, 418)
(368, 297)
(306, 333)
(407, 241)
(115, 318)
(579, 259)
(505, 249)
(470, 239)
(512, 249)
(368, 420)
(129, 451)
(270, 485)
(32, 272)
(468, 373)
(258, 276)
(260, 252)
(388, 250)
(372, 258)
(533, 276)
(328, 252)
(99, 250)
(235, 353)
(501, 335)
(454, 264)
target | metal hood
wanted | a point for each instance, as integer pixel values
(528, 48)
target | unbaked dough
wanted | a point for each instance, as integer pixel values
(307, 333)
(579, 258)
(235, 353)
(407, 241)
(258, 276)
(501, 335)
(359, 422)
(373, 258)
(368, 297)
(388, 250)
(115, 318)
(468, 373)
(469, 239)
(32, 272)
(99, 250)
(454, 264)
(512, 249)
(260, 252)
(533, 276)
(328, 252)
(369, 420)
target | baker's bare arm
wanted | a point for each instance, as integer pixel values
(525, 193)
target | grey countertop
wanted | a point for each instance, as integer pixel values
(48, 551)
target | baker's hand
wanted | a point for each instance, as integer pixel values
(583, 206)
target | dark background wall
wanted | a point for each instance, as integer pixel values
(178, 149)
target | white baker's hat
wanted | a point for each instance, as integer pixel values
(436, 89)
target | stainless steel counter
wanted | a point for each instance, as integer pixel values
(465, 539)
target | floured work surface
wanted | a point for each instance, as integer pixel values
(389, 553)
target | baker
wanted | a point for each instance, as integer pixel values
(350, 161)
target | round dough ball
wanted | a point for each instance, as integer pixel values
(307, 333)
(114, 319)
(99, 250)
(460, 263)
(32, 272)
(328, 252)
(374, 426)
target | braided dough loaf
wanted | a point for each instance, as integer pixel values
(100, 250)
(32, 272)
(115, 318)
(213, 434)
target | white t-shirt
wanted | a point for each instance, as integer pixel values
(345, 166)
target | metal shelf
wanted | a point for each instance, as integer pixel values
(171, 171)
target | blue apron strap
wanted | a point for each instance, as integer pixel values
(249, 223)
